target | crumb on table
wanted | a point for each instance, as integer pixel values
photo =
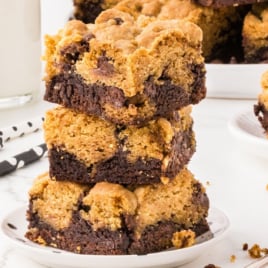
(245, 246)
(257, 252)
(232, 258)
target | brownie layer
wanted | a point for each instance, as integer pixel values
(157, 100)
(108, 218)
(87, 149)
(87, 10)
(118, 169)
(79, 237)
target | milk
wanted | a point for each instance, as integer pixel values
(20, 50)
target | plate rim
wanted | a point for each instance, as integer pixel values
(239, 132)
(50, 251)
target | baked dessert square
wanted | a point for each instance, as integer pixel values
(221, 26)
(125, 70)
(87, 149)
(255, 34)
(224, 3)
(88, 10)
(111, 219)
(261, 108)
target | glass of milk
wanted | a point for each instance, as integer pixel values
(20, 52)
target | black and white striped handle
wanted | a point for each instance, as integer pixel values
(19, 130)
(22, 159)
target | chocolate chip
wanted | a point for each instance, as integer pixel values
(118, 21)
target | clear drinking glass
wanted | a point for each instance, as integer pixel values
(20, 52)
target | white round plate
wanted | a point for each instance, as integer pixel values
(235, 81)
(248, 131)
(14, 227)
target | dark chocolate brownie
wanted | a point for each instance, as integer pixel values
(71, 91)
(80, 238)
(87, 10)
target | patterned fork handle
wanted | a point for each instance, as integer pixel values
(22, 159)
(19, 130)
(260, 263)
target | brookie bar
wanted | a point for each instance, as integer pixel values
(125, 70)
(111, 219)
(88, 149)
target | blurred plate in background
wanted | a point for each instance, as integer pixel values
(234, 81)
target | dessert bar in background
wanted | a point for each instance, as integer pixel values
(261, 108)
(235, 31)
(221, 26)
(112, 219)
(224, 3)
(255, 34)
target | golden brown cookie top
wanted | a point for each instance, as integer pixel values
(55, 201)
(133, 49)
(89, 137)
(108, 202)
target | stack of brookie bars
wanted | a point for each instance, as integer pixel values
(120, 138)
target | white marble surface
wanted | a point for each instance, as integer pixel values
(237, 182)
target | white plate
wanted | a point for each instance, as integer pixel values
(248, 131)
(237, 81)
(14, 227)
